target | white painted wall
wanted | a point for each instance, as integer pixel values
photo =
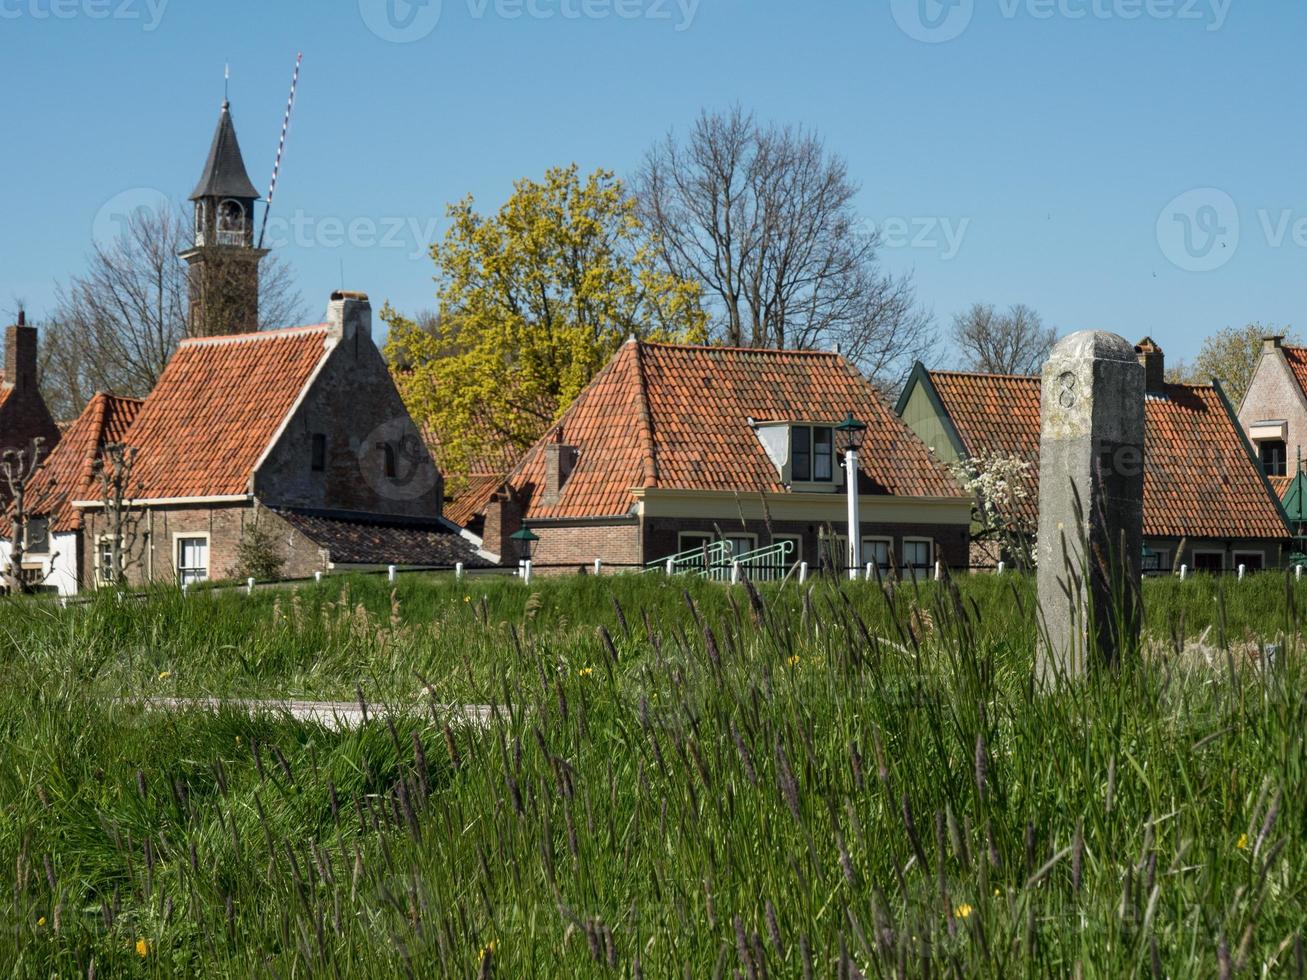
(61, 568)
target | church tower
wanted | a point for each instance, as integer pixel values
(224, 264)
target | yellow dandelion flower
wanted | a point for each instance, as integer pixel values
(998, 893)
(41, 921)
(796, 660)
(585, 671)
(487, 950)
(963, 911)
(1243, 842)
(142, 948)
(165, 675)
(467, 598)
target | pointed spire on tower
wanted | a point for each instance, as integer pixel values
(224, 173)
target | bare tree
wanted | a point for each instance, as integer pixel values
(19, 467)
(115, 326)
(1012, 342)
(113, 471)
(763, 217)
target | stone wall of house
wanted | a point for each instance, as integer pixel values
(153, 554)
(1274, 394)
(354, 407)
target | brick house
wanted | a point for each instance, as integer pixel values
(671, 447)
(23, 412)
(1202, 482)
(300, 429)
(1274, 410)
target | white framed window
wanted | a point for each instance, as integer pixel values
(192, 551)
(812, 454)
(918, 553)
(37, 537)
(1209, 561)
(104, 560)
(742, 544)
(1156, 560)
(796, 552)
(875, 549)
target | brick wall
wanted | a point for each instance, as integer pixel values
(1274, 394)
(617, 545)
(154, 555)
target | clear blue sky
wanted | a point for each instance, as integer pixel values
(1054, 143)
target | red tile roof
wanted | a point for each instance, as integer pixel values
(677, 417)
(1199, 479)
(216, 409)
(1297, 359)
(68, 473)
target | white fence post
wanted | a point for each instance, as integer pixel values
(735, 573)
(249, 586)
(185, 586)
(1297, 573)
(390, 573)
(599, 566)
(1243, 570)
(671, 566)
(1184, 572)
(871, 571)
(939, 571)
(526, 572)
(803, 572)
(458, 570)
(1002, 567)
(317, 576)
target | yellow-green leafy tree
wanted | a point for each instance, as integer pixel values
(532, 302)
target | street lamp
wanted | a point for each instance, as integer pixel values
(525, 540)
(852, 433)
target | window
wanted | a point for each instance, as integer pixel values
(1254, 561)
(689, 540)
(917, 553)
(192, 560)
(812, 454)
(1275, 457)
(388, 459)
(319, 452)
(104, 560)
(1209, 561)
(38, 535)
(1155, 560)
(877, 550)
(742, 544)
(231, 223)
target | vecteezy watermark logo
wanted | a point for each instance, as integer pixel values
(395, 462)
(931, 233)
(120, 212)
(401, 21)
(933, 21)
(1199, 230)
(148, 12)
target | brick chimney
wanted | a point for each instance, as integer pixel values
(349, 315)
(20, 354)
(1271, 344)
(503, 520)
(560, 460)
(1154, 362)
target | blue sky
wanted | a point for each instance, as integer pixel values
(1132, 165)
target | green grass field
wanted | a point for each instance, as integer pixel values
(684, 780)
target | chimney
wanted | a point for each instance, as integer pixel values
(20, 354)
(560, 460)
(349, 315)
(1271, 344)
(1154, 362)
(503, 519)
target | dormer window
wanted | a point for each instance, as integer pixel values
(1275, 457)
(812, 453)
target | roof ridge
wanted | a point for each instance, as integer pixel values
(724, 349)
(238, 338)
(984, 374)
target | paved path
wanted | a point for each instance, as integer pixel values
(332, 715)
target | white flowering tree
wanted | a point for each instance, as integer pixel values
(1002, 485)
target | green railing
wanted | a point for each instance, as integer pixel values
(696, 561)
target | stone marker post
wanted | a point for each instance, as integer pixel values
(1091, 510)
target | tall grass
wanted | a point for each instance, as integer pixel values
(679, 782)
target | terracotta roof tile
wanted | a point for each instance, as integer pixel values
(1297, 359)
(217, 407)
(676, 417)
(68, 473)
(1199, 480)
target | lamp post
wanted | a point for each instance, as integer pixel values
(526, 540)
(852, 433)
